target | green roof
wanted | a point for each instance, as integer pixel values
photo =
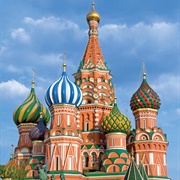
(133, 172)
(143, 172)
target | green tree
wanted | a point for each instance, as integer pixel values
(15, 172)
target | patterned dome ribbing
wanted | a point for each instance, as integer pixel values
(145, 97)
(37, 132)
(63, 91)
(29, 110)
(116, 122)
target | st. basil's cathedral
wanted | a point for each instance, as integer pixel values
(88, 137)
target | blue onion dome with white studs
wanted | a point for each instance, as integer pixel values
(116, 121)
(37, 132)
(29, 110)
(145, 97)
(64, 91)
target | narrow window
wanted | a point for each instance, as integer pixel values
(36, 149)
(26, 139)
(57, 160)
(86, 159)
(87, 126)
(112, 142)
(114, 169)
(144, 121)
(146, 169)
(152, 123)
(68, 120)
(59, 120)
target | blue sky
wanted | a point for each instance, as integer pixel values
(35, 34)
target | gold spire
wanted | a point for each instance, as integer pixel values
(33, 71)
(143, 69)
(64, 61)
(93, 15)
(115, 98)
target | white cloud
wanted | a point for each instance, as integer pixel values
(13, 89)
(167, 86)
(21, 35)
(159, 35)
(178, 111)
(13, 69)
(3, 48)
(53, 23)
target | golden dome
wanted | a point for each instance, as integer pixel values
(93, 15)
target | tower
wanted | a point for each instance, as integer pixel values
(95, 81)
(63, 140)
(26, 117)
(148, 141)
(116, 126)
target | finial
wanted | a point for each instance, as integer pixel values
(143, 68)
(12, 149)
(132, 153)
(64, 61)
(33, 71)
(93, 6)
(115, 98)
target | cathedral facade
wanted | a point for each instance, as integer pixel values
(89, 138)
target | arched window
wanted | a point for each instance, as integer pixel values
(94, 156)
(87, 126)
(86, 159)
(100, 159)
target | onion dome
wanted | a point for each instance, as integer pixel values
(116, 122)
(93, 15)
(37, 132)
(64, 91)
(145, 97)
(29, 110)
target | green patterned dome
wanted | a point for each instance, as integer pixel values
(116, 122)
(145, 97)
(29, 110)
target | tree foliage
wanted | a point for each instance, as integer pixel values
(15, 172)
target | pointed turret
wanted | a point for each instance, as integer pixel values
(93, 57)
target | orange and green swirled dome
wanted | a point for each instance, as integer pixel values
(116, 122)
(29, 111)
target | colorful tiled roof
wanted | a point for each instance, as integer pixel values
(133, 172)
(37, 132)
(145, 97)
(116, 122)
(143, 172)
(64, 91)
(29, 110)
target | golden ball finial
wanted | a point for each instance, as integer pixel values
(93, 15)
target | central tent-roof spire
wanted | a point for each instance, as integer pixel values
(93, 57)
